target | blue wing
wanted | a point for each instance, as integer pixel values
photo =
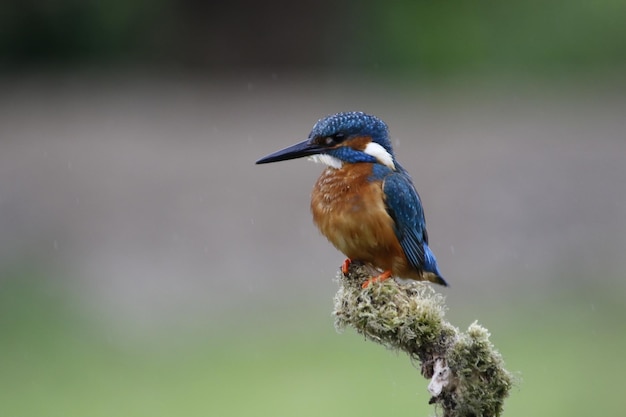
(405, 208)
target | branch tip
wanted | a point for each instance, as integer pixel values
(467, 374)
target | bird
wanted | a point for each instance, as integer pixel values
(365, 202)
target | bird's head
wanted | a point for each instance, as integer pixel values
(349, 137)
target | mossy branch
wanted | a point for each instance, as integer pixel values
(467, 375)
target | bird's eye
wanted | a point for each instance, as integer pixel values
(331, 140)
(334, 139)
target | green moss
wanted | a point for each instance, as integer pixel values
(410, 317)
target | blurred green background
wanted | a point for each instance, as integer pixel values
(416, 38)
(148, 268)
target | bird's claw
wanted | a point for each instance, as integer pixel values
(345, 267)
(380, 278)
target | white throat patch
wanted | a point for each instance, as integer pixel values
(326, 159)
(380, 154)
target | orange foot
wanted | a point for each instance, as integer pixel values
(345, 266)
(382, 277)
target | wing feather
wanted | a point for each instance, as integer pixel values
(405, 208)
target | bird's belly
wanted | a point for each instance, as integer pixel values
(349, 210)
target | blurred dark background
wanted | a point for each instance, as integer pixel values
(148, 267)
(422, 38)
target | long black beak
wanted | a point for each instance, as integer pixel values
(292, 152)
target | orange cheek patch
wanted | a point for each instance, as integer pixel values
(358, 143)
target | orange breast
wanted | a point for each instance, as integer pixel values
(350, 211)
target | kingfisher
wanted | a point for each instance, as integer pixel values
(365, 202)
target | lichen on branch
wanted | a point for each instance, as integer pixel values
(467, 373)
